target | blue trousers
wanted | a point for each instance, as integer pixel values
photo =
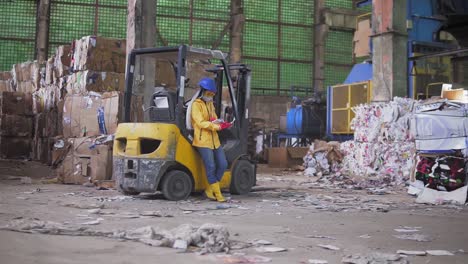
(215, 163)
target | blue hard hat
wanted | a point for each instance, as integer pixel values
(208, 84)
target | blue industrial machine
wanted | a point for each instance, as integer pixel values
(303, 121)
(425, 20)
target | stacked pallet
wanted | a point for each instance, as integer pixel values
(16, 125)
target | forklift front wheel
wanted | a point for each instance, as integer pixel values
(176, 185)
(242, 177)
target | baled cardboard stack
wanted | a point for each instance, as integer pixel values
(62, 112)
(83, 82)
(99, 54)
(16, 125)
(90, 110)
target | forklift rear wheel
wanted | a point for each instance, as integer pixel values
(242, 177)
(176, 185)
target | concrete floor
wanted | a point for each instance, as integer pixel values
(287, 210)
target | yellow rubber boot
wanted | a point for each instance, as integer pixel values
(209, 193)
(217, 192)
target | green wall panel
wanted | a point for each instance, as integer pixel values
(261, 10)
(17, 32)
(266, 30)
(295, 43)
(261, 40)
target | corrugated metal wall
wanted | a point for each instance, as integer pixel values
(278, 34)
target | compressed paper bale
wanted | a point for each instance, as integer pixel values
(80, 114)
(26, 76)
(16, 126)
(83, 82)
(15, 147)
(49, 72)
(99, 54)
(62, 60)
(15, 103)
(5, 75)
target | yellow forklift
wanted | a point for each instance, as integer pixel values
(155, 153)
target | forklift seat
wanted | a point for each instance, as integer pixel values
(188, 114)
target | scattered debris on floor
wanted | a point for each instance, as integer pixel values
(208, 238)
(83, 205)
(320, 157)
(93, 222)
(330, 247)
(439, 253)
(414, 237)
(317, 261)
(270, 249)
(375, 258)
(412, 253)
(242, 258)
(261, 242)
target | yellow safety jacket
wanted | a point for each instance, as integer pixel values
(205, 134)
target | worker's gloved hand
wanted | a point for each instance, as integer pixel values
(225, 125)
(212, 119)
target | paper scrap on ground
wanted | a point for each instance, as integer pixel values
(431, 196)
(94, 222)
(409, 252)
(227, 258)
(415, 237)
(270, 249)
(374, 258)
(330, 247)
(317, 261)
(439, 253)
(209, 238)
(262, 242)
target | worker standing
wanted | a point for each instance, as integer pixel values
(206, 138)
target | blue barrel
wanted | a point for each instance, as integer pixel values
(294, 121)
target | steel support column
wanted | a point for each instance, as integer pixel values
(42, 30)
(236, 33)
(320, 34)
(141, 33)
(389, 57)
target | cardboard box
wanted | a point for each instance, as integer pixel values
(99, 54)
(15, 103)
(84, 164)
(16, 126)
(15, 147)
(361, 38)
(286, 157)
(83, 82)
(80, 114)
